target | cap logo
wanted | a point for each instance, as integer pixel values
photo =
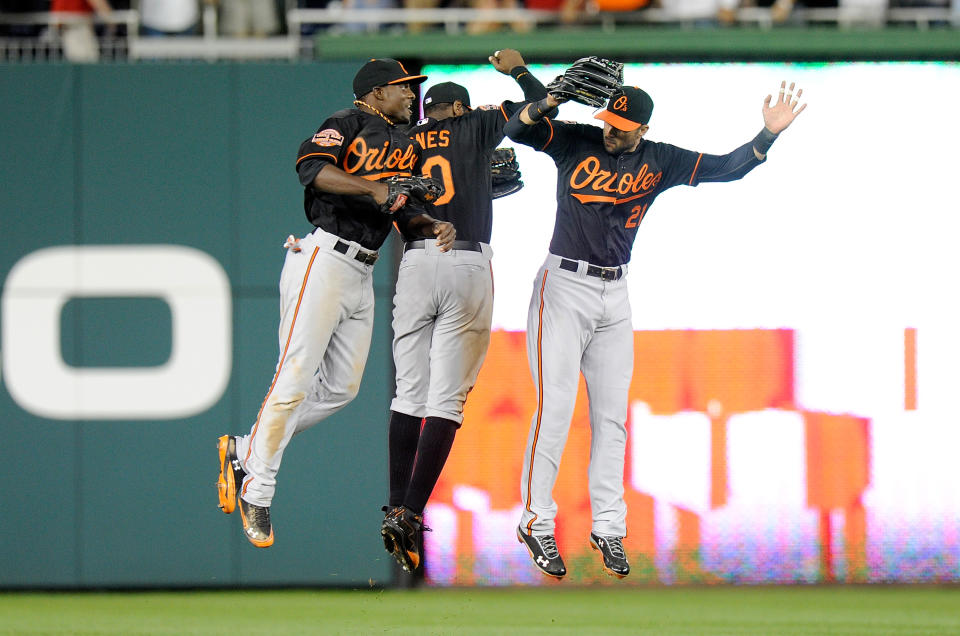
(621, 103)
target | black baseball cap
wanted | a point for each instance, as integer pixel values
(446, 93)
(627, 109)
(382, 72)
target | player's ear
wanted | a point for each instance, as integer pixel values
(643, 129)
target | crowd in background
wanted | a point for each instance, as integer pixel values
(264, 18)
(236, 18)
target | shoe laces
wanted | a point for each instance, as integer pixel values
(549, 545)
(615, 545)
(417, 522)
(261, 516)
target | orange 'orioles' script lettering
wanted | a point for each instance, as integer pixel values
(588, 176)
(358, 156)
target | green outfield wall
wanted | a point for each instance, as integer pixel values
(195, 162)
(656, 43)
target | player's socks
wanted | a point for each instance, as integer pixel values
(404, 437)
(436, 440)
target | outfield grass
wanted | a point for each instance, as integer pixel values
(873, 611)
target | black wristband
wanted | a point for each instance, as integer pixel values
(518, 71)
(763, 141)
(539, 109)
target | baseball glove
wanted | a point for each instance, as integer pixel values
(505, 172)
(402, 188)
(589, 80)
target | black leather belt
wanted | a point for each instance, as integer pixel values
(603, 273)
(367, 259)
(470, 246)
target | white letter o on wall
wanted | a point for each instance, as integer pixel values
(191, 282)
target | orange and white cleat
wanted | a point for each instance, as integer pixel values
(231, 475)
(256, 524)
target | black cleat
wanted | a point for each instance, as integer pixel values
(388, 543)
(402, 532)
(614, 558)
(543, 550)
(231, 475)
(256, 524)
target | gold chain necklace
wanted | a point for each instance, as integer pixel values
(359, 102)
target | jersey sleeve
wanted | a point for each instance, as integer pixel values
(326, 146)
(546, 135)
(729, 167)
(492, 119)
(686, 167)
(533, 89)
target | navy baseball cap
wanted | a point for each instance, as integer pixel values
(627, 109)
(446, 93)
(382, 72)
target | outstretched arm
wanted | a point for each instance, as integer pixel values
(734, 165)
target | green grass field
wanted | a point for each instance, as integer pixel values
(769, 611)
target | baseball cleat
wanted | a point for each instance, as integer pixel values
(256, 524)
(231, 475)
(543, 550)
(614, 558)
(403, 530)
(388, 543)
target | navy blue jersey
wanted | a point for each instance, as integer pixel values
(457, 151)
(362, 145)
(602, 198)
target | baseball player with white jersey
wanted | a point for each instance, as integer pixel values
(351, 170)
(579, 319)
(444, 301)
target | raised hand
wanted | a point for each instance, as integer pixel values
(784, 110)
(505, 60)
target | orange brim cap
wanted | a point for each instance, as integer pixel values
(618, 122)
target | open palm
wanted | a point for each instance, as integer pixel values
(784, 110)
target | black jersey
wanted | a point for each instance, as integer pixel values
(366, 146)
(602, 198)
(457, 151)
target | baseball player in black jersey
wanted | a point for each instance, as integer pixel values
(444, 301)
(326, 286)
(579, 318)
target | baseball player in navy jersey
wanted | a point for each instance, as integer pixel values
(326, 289)
(579, 318)
(444, 301)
